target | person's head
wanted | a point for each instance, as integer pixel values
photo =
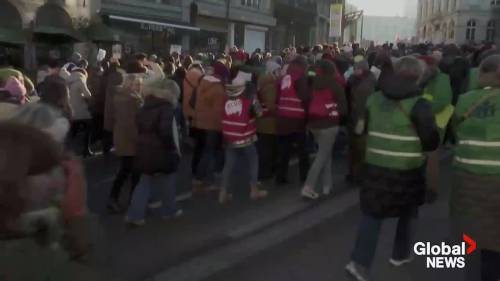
(489, 72)
(409, 67)
(273, 68)
(187, 62)
(221, 71)
(360, 65)
(55, 93)
(325, 68)
(298, 65)
(141, 57)
(76, 58)
(15, 90)
(169, 69)
(83, 64)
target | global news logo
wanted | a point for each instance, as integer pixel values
(444, 256)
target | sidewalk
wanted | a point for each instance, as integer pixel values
(127, 254)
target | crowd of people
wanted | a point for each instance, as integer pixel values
(398, 105)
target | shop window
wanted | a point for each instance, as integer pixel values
(490, 31)
(251, 3)
(471, 30)
(451, 30)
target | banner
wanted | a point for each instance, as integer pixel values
(335, 20)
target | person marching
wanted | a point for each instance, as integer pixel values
(292, 99)
(240, 134)
(400, 129)
(475, 197)
(328, 104)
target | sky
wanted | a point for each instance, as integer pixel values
(386, 7)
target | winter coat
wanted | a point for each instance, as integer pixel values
(126, 104)
(437, 87)
(268, 87)
(209, 104)
(476, 198)
(57, 99)
(113, 80)
(360, 88)
(191, 82)
(391, 193)
(157, 151)
(79, 95)
(97, 86)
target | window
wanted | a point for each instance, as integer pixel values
(471, 30)
(495, 2)
(251, 3)
(445, 31)
(452, 5)
(451, 30)
(490, 31)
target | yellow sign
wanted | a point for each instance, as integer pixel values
(336, 20)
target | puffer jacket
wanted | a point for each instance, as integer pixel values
(157, 151)
(126, 104)
(392, 193)
(79, 95)
(209, 104)
(267, 88)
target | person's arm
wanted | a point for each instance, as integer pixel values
(165, 126)
(425, 125)
(86, 94)
(339, 94)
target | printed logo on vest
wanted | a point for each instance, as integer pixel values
(444, 256)
(286, 82)
(234, 107)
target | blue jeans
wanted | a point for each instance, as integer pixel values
(369, 231)
(234, 158)
(159, 187)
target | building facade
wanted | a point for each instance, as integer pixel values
(42, 28)
(301, 22)
(457, 21)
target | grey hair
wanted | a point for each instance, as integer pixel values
(490, 64)
(409, 66)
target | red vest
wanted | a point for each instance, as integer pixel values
(323, 106)
(289, 104)
(238, 126)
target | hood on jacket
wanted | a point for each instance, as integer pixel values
(489, 72)
(399, 87)
(165, 89)
(77, 76)
(325, 71)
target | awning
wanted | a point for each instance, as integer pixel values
(100, 33)
(157, 23)
(54, 25)
(11, 27)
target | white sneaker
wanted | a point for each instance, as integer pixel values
(176, 215)
(327, 190)
(310, 194)
(356, 272)
(398, 263)
(155, 205)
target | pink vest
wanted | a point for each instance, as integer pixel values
(323, 106)
(237, 124)
(289, 104)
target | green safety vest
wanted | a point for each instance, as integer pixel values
(473, 79)
(440, 94)
(392, 141)
(478, 132)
